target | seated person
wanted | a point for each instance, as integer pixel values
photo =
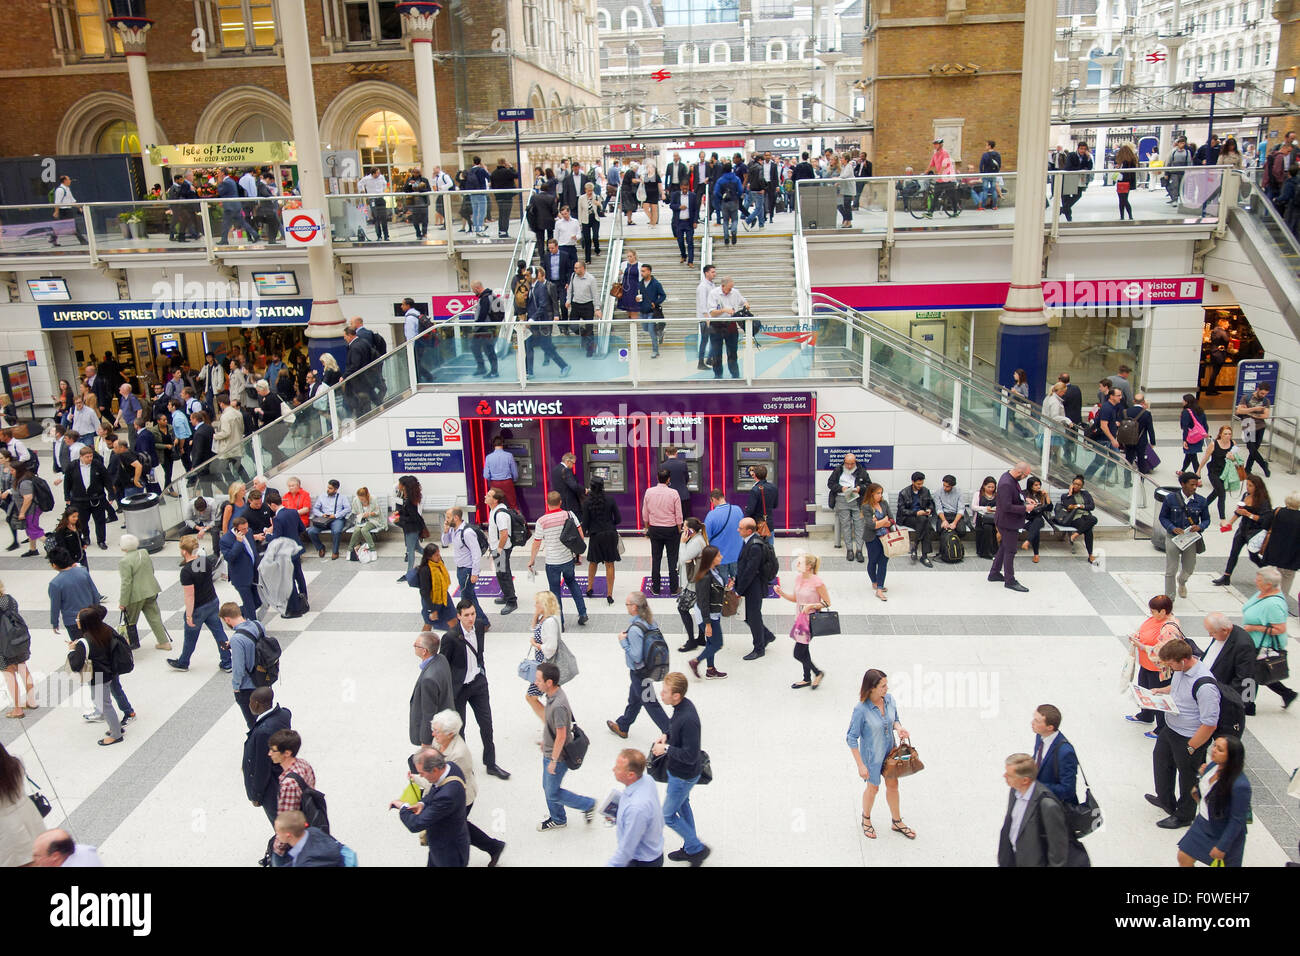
(950, 512)
(1074, 511)
(907, 188)
(1038, 506)
(916, 511)
(329, 512)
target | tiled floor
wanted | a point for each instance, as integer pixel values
(968, 662)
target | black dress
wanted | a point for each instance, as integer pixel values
(601, 526)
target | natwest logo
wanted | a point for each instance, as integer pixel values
(523, 406)
(483, 408)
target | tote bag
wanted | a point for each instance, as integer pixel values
(895, 542)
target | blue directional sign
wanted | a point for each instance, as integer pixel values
(1214, 86)
(514, 115)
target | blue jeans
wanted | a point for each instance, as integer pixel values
(990, 185)
(478, 208)
(413, 549)
(677, 812)
(877, 563)
(557, 572)
(467, 590)
(757, 213)
(205, 614)
(648, 324)
(704, 340)
(335, 529)
(712, 642)
(557, 798)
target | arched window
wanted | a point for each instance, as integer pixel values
(800, 48)
(688, 53)
(631, 19)
(259, 128)
(720, 53)
(119, 136)
(387, 140)
(633, 57)
(1094, 67)
(776, 51)
(602, 19)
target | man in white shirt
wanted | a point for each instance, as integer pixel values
(725, 302)
(500, 545)
(375, 185)
(703, 292)
(65, 207)
(567, 230)
(57, 848)
(441, 182)
(424, 347)
(583, 300)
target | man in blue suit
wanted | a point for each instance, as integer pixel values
(232, 213)
(1058, 765)
(285, 523)
(685, 207)
(1184, 510)
(441, 814)
(1009, 516)
(242, 559)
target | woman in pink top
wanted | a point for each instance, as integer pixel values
(809, 595)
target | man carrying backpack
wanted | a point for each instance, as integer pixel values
(500, 542)
(643, 644)
(1182, 742)
(248, 641)
(295, 772)
(467, 546)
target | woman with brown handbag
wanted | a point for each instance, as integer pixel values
(870, 740)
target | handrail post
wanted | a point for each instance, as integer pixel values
(633, 354)
(890, 207)
(1135, 496)
(92, 247)
(334, 413)
(521, 369)
(954, 425)
(1056, 203)
(257, 454)
(205, 225)
(411, 368)
(866, 359)
(749, 352)
(1046, 461)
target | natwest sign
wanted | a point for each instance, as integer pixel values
(522, 406)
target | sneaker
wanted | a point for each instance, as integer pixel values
(678, 856)
(713, 673)
(175, 662)
(509, 608)
(697, 858)
(92, 717)
(126, 718)
(549, 824)
(1182, 590)
(590, 813)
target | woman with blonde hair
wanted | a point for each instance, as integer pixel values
(545, 641)
(809, 596)
(235, 500)
(15, 652)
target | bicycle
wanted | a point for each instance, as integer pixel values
(940, 197)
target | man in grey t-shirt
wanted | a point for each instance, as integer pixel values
(557, 728)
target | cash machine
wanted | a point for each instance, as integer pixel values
(745, 455)
(692, 452)
(608, 462)
(525, 453)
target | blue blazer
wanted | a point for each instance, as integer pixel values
(1228, 831)
(241, 568)
(443, 818)
(1173, 514)
(693, 206)
(1060, 770)
(286, 524)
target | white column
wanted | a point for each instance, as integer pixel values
(326, 316)
(134, 33)
(418, 19)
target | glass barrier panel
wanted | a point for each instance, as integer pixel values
(826, 205)
(821, 347)
(426, 218)
(41, 230)
(146, 226)
(965, 201)
(1173, 195)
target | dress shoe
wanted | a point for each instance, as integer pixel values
(861, 559)
(752, 656)
(688, 647)
(995, 577)
(495, 855)
(582, 620)
(925, 560)
(615, 729)
(509, 608)
(498, 772)
(697, 858)
(173, 662)
(499, 600)
(1016, 586)
(1152, 799)
(771, 639)
(1171, 822)
(1221, 581)
(678, 856)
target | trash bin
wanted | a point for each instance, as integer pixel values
(1158, 534)
(143, 516)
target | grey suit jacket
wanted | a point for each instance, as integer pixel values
(433, 693)
(1043, 840)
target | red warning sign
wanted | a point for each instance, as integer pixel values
(451, 430)
(825, 426)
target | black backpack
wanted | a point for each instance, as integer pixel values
(478, 533)
(951, 550)
(768, 567)
(1232, 709)
(120, 656)
(15, 637)
(266, 668)
(313, 805)
(729, 193)
(571, 538)
(518, 527)
(42, 495)
(423, 323)
(654, 654)
(1127, 431)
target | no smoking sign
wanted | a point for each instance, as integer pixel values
(451, 430)
(825, 426)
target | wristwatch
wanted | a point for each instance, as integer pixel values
(1191, 749)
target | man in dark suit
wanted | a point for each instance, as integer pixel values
(1009, 516)
(567, 484)
(441, 814)
(763, 498)
(201, 442)
(559, 270)
(242, 556)
(701, 172)
(679, 477)
(469, 679)
(87, 492)
(433, 691)
(751, 586)
(285, 523)
(1034, 832)
(360, 354)
(571, 187)
(261, 776)
(772, 183)
(676, 174)
(102, 389)
(1072, 399)
(1054, 756)
(1230, 654)
(684, 207)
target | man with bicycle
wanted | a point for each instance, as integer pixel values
(941, 165)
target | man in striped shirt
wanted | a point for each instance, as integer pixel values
(559, 559)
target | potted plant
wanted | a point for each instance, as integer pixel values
(124, 223)
(135, 222)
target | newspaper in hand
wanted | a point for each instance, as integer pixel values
(1149, 701)
(1185, 540)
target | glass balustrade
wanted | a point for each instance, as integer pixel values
(435, 218)
(1253, 202)
(41, 230)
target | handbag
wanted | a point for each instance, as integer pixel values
(895, 542)
(616, 290)
(1150, 460)
(656, 768)
(903, 761)
(622, 548)
(321, 522)
(686, 600)
(565, 661)
(1082, 818)
(824, 623)
(730, 603)
(39, 799)
(1271, 664)
(574, 750)
(1122, 187)
(527, 669)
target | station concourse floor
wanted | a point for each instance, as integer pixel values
(968, 663)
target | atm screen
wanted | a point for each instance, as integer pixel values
(523, 454)
(605, 454)
(756, 453)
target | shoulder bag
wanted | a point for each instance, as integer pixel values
(730, 603)
(565, 661)
(903, 761)
(895, 542)
(1271, 663)
(824, 622)
(1081, 818)
(574, 751)
(38, 799)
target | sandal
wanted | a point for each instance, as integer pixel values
(868, 830)
(881, 594)
(898, 827)
(16, 713)
(817, 680)
(1035, 559)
